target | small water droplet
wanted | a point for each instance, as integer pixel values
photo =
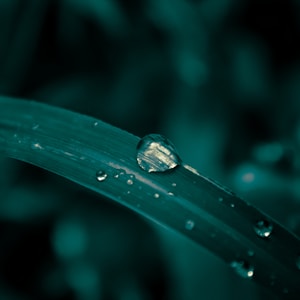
(220, 199)
(130, 181)
(232, 205)
(155, 153)
(243, 269)
(189, 224)
(263, 228)
(174, 184)
(36, 146)
(101, 175)
(170, 194)
(96, 123)
(250, 252)
(156, 195)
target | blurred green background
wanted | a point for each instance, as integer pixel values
(220, 78)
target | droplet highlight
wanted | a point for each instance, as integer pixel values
(263, 228)
(101, 175)
(155, 153)
(189, 224)
(156, 195)
(243, 269)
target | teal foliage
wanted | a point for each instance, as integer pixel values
(220, 78)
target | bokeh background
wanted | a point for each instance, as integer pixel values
(220, 78)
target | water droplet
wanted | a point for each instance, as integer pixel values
(298, 262)
(189, 224)
(96, 123)
(243, 269)
(155, 153)
(36, 146)
(170, 194)
(250, 252)
(101, 175)
(263, 228)
(130, 182)
(156, 195)
(220, 199)
(232, 205)
(174, 184)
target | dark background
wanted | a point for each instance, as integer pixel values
(220, 78)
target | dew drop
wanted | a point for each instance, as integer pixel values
(232, 205)
(250, 252)
(189, 224)
(130, 182)
(156, 195)
(96, 124)
(170, 193)
(174, 184)
(101, 175)
(243, 269)
(36, 146)
(263, 228)
(155, 153)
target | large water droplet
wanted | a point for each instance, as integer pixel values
(101, 175)
(243, 269)
(189, 224)
(155, 153)
(263, 228)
